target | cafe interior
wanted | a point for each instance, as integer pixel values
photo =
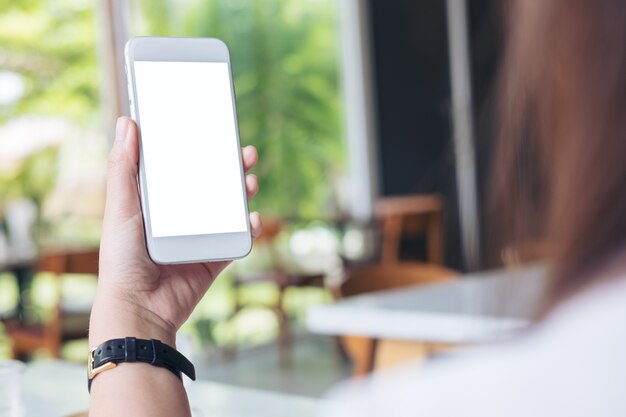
(373, 122)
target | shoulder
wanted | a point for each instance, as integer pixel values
(571, 364)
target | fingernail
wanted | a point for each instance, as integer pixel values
(121, 130)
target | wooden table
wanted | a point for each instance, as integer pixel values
(477, 308)
(56, 389)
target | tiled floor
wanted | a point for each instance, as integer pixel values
(316, 366)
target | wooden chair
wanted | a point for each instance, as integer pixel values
(280, 275)
(367, 353)
(411, 216)
(27, 338)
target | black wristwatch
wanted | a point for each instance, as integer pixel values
(130, 349)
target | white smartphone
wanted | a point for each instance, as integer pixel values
(191, 179)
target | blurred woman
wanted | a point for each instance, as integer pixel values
(559, 177)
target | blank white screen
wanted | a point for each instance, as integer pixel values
(190, 148)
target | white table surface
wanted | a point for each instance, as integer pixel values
(477, 308)
(56, 389)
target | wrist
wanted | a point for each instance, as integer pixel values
(113, 317)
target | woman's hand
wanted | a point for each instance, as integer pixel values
(135, 296)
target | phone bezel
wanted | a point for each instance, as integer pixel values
(194, 248)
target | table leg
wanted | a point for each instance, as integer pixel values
(434, 237)
(24, 276)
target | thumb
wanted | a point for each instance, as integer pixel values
(122, 200)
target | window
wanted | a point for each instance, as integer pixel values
(285, 64)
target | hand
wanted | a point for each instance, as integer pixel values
(135, 296)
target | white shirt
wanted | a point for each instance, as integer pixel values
(573, 364)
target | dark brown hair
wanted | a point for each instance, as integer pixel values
(560, 164)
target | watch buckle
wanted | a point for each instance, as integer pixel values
(91, 371)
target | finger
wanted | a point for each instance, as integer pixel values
(214, 269)
(256, 226)
(122, 194)
(250, 157)
(252, 185)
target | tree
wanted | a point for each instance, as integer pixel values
(285, 68)
(53, 46)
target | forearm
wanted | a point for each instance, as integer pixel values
(133, 389)
(138, 298)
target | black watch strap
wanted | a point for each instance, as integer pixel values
(130, 349)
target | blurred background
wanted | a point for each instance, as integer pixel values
(373, 123)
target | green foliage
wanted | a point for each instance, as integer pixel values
(285, 68)
(34, 179)
(52, 45)
(205, 328)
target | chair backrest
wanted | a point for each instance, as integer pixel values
(379, 277)
(408, 205)
(410, 215)
(371, 278)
